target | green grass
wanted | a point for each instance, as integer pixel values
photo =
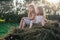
(6, 27)
(2, 20)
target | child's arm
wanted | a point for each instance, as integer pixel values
(32, 17)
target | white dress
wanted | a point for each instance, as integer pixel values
(38, 19)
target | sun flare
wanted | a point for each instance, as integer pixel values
(53, 1)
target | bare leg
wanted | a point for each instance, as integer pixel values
(43, 22)
(22, 24)
(31, 23)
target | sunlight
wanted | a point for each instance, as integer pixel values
(17, 1)
(53, 1)
(16, 4)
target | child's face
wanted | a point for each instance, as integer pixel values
(31, 9)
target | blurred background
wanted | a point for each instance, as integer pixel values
(11, 12)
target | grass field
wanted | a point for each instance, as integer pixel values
(6, 27)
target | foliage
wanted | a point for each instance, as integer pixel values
(36, 33)
(2, 20)
(7, 11)
(53, 17)
(5, 0)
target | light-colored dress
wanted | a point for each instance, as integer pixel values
(27, 21)
(38, 19)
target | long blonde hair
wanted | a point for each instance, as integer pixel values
(32, 6)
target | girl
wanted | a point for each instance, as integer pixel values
(39, 17)
(27, 20)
